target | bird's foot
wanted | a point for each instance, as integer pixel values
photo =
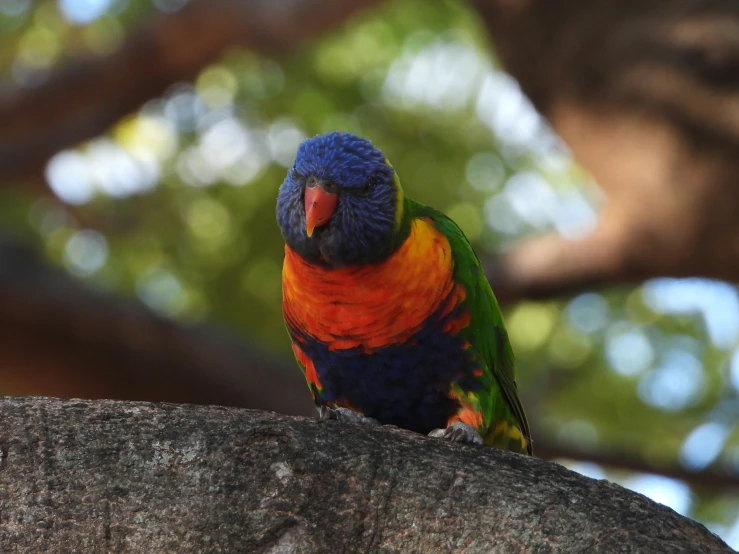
(458, 432)
(344, 414)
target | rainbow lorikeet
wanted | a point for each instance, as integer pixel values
(391, 317)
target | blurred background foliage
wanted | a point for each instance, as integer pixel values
(175, 206)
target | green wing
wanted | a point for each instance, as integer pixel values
(487, 334)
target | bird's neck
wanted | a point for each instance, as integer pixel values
(372, 305)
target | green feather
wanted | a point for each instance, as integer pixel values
(498, 398)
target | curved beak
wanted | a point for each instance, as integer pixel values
(319, 206)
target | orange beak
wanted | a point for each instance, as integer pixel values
(319, 207)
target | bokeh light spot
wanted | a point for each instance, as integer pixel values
(628, 349)
(84, 11)
(217, 86)
(85, 252)
(502, 106)
(39, 48)
(734, 369)
(183, 107)
(116, 172)
(69, 177)
(569, 349)
(531, 197)
(161, 291)
(500, 216)
(147, 136)
(530, 325)
(485, 171)
(676, 383)
(716, 301)
(588, 469)
(670, 492)
(574, 217)
(283, 139)
(209, 220)
(468, 217)
(455, 69)
(13, 8)
(587, 313)
(703, 445)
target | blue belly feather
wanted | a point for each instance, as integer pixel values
(404, 384)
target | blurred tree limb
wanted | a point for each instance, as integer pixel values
(715, 479)
(83, 98)
(646, 94)
(119, 477)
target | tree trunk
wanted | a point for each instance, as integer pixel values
(646, 94)
(85, 476)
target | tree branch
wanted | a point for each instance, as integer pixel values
(645, 94)
(115, 477)
(716, 480)
(82, 99)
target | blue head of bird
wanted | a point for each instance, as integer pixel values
(340, 203)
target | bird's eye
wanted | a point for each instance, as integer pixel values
(374, 180)
(294, 174)
(331, 187)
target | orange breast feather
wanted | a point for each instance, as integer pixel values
(377, 305)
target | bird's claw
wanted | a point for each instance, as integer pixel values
(344, 414)
(458, 432)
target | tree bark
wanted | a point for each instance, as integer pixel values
(82, 476)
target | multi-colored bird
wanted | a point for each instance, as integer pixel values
(389, 311)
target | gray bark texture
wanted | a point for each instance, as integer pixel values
(109, 476)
